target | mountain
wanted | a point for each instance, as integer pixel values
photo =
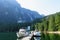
(9, 10)
(28, 15)
(12, 13)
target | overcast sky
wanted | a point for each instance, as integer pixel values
(45, 7)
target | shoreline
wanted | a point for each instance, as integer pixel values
(52, 32)
(55, 32)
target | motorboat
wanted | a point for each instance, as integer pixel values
(22, 33)
(26, 36)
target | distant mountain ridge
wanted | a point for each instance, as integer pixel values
(11, 12)
(28, 15)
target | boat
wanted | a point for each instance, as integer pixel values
(22, 33)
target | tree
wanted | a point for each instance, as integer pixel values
(57, 21)
(51, 23)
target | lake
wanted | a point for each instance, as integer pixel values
(12, 36)
(50, 36)
(8, 36)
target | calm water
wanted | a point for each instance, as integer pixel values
(12, 36)
(45, 36)
(50, 36)
(8, 36)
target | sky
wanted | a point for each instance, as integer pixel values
(45, 7)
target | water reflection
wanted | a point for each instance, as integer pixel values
(45, 36)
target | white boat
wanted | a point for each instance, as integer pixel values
(22, 33)
(26, 36)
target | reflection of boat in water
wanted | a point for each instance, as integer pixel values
(24, 35)
(37, 35)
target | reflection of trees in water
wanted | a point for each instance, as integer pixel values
(45, 36)
(42, 36)
(54, 36)
(50, 37)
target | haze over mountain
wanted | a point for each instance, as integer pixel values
(11, 11)
(27, 15)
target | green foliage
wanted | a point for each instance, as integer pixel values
(58, 28)
(57, 19)
(49, 23)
